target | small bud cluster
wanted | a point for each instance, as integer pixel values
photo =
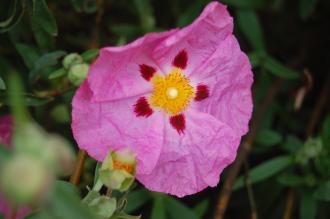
(37, 158)
(312, 148)
(76, 67)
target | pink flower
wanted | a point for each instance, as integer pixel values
(180, 99)
(6, 125)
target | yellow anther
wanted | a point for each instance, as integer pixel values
(172, 92)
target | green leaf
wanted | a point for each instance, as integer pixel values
(265, 170)
(90, 6)
(125, 30)
(28, 53)
(323, 192)
(2, 84)
(306, 8)
(11, 17)
(57, 74)
(256, 58)
(67, 187)
(191, 12)
(64, 203)
(147, 19)
(277, 69)
(44, 40)
(268, 137)
(250, 4)
(69, 191)
(178, 210)
(158, 209)
(249, 23)
(325, 133)
(137, 199)
(96, 172)
(37, 215)
(292, 144)
(122, 215)
(42, 17)
(15, 16)
(45, 61)
(308, 206)
(101, 205)
(36, 101)
(201, 208)
(291, 180)
(90, 54)
(78, 5)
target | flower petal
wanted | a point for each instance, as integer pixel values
(97, 127)
(199, 40)
(194, 160)
(178, 122)
(202, 92)
(116, 72)
(228, 75)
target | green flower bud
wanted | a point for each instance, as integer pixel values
(312, 149)
(118, 169)
(31, 139)
(101, 205)
(71, 60)
(65, 158)
(78, 73)
(54, 151)
(24, 179)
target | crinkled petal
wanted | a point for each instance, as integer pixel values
(100, 126)
(192, 161)
(228, 75)
(115, 74)
(199, 40)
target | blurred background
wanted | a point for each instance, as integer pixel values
(283, 166)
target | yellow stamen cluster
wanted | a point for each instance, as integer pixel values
(172, 92)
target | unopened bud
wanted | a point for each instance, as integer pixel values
(312, 148)
(32, 140)
(118, 169)
(53, 150)
(71, 60)
(78, 73)
(24, 179)
(65, 158)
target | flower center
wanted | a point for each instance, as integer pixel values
(172, 92)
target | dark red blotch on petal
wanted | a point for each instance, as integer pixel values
(142, 108)
(178, 122)
(147, 71)
(181, 59)
(202, 92)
